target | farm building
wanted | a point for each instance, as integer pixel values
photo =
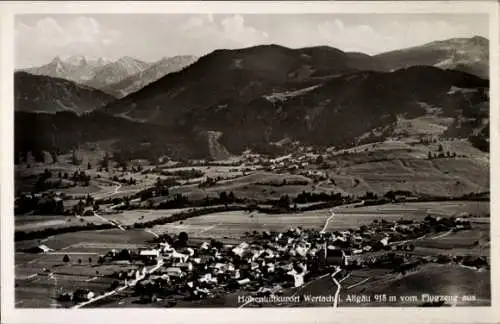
(42, 248)
(149, 256)
(88, 211)
(83, 295)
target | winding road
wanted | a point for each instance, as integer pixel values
(337, 268)
(327, 220)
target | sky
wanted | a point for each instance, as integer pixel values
(150, 37)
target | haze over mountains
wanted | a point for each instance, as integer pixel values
(256, 96)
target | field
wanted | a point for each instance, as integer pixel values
(259, 186)
(432, 279)
(35, 288)
(40, 222)
(235, 223)
(402, 165)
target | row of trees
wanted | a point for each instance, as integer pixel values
(22, 235)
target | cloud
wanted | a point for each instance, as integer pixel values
(386, 36)
(363, 38)
(82, 35)
(228, 32)
(150, 37)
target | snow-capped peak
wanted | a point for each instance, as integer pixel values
(82, 60)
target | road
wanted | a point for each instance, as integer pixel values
(327, 220)
(117, 189)
(151, 232)
(359, 283)
(108, 221)
(337, 269)
(339, 287)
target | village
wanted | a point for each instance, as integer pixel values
(268, 263)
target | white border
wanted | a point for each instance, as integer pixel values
(291, 315)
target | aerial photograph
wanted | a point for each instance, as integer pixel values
(251, 160)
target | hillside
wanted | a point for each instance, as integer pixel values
(470, 55)
(154, 72)
(36, 93)
(263, 94)
(235, 76)
(64, 131)
(329, 114)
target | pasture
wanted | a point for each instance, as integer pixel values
(258, 185)
(36, 287)
(39, 222)
(396, 165)
(129, 217)
(434, 279)
(235, 223)
(448, 177)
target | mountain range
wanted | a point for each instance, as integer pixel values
(465, 54)
(79, 69)
(154, 72)
(252, 97)
(118, 78)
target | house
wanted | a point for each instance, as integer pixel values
(153, 253)
(42, 248)
(238, 250)
(88, 211)
(174, 272)
(83, 295)
(385, 241)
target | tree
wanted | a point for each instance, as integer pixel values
(105, 160)
(66, 258)
(223, 197)
(74, 158)
(115, 284)
(284, 202)
(183, 237)
(54, 157)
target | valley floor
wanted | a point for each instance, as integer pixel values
(40, 277)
